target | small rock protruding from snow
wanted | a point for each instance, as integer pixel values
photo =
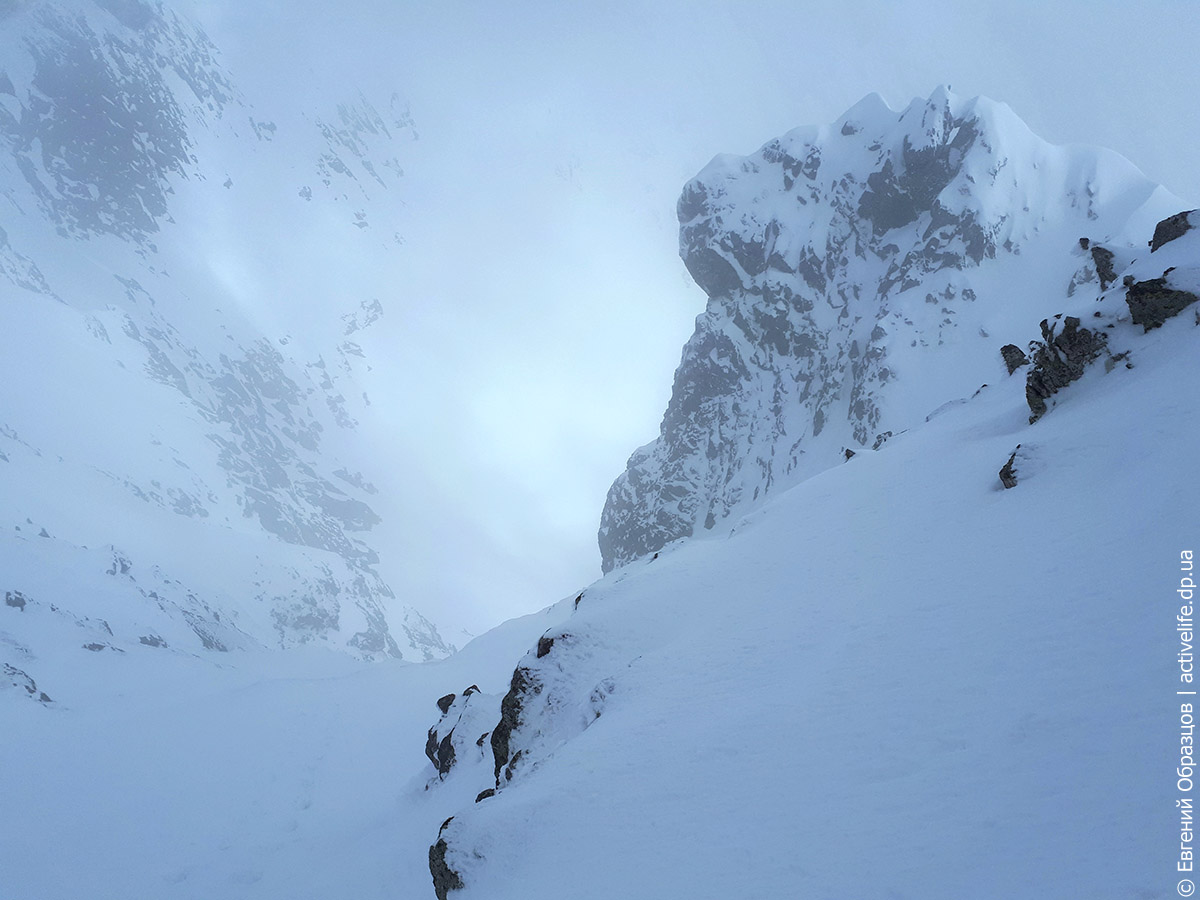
(1008, 473)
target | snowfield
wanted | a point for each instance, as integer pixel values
(896, 679)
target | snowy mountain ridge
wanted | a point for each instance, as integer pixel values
(714, 716)
(858, 276)
(179, 445)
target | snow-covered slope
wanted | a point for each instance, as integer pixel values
(943, 667)
(896, 678)
(859, 275)
(178, 447)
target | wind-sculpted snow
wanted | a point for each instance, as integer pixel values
(856, 274)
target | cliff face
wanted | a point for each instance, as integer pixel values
(177, 442)
(857, 275)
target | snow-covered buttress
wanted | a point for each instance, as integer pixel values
(858, 275)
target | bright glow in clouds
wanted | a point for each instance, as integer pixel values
(536, 309)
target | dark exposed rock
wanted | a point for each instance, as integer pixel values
(577, 599)
(445, 879)
(545, 643)
(523, 682)
(1008, 473)
(850, 454)
(1058, 360)
(94, 647)
(152, 640)
(431, 746)
(15, 599)
(1103, 258)
(1151, 302)
(1169, 229)
(483, 795)
(451, 738)
(1014, 358)
(445, 755)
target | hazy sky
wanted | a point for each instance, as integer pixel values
(536, 312)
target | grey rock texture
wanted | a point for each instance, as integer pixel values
(1172, 228)
(1008, 472)
(1153, 301)
(1058, 359)
(1103, 258)
(1013, 357)
(826, 255)
(445, 879)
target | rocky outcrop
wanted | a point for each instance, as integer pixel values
(461, 731)
(1154, 301)
(523, 685)
(445, 879)
(1172, 228)
(1103, 258)
(12, 677)
(1013, 357)
(1008, 472)
(1058, 359)
(832, 258)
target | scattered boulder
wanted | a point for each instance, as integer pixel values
(1014, 358)
(1058, 360)
(850, 454)
(1151, 302)
(1170, 228)
(15, 599)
